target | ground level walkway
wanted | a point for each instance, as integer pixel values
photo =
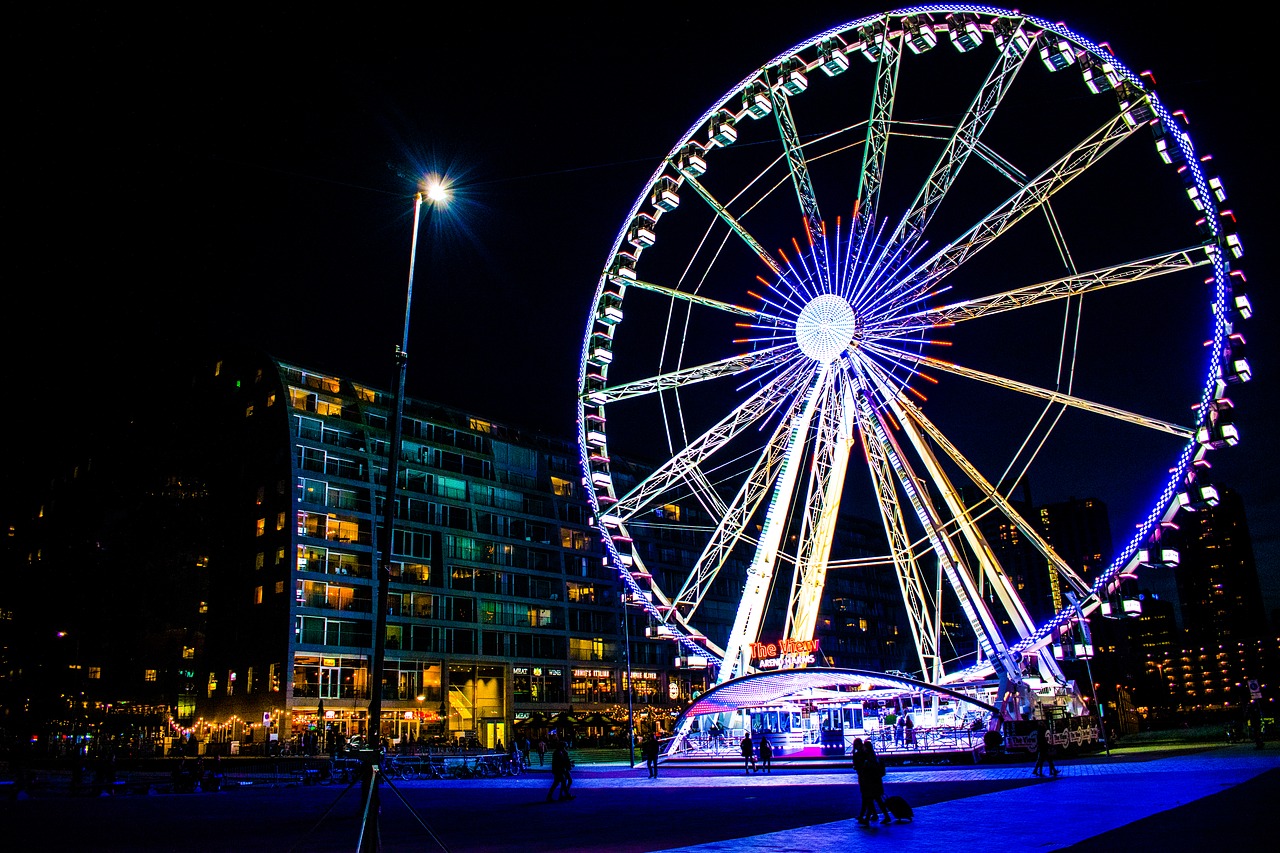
(1166, 804)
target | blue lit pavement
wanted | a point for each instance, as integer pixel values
(1085, 801)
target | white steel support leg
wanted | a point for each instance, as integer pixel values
(755, 593)
(822, 509)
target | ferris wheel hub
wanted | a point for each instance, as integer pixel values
(825, 327)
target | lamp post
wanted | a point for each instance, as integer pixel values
(626, 654)
(437, 193)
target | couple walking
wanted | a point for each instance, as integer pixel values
(870, 771)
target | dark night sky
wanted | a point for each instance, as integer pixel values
(210, 176)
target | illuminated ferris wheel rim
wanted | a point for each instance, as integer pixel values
(825, 324)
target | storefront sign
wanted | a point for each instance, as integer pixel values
(785, 654)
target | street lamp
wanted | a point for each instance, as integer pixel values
(626, 653)
(436, 191)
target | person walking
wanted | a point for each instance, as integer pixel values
(766, 755)
(748, 754)
(542, 751)
(909, 727)
(650, 749)
(561, 772)
(1044, 750)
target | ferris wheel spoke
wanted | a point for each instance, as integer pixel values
(1048, 291)
(698, 299)
(913, 414)
(738, 364)
(876, 148)
(920, 617)
(675, 471)
(1029, 198)
(912, 421)
(803, 186)
(961, 144)
(981, 620)
(833, 443)
(1056, 397)
(733, 526)
(734, 225)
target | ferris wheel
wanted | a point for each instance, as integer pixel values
(901, 271)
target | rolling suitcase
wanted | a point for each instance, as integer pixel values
(898, 807)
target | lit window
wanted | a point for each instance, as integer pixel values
(480, 426)
(248, 410)
(149, 675)
(257, 595)
(261, 527)
(261, 494)
(279, 587)
(562, 487)
(260, 560)
(271, 400)
(280, 521)
(279, 556)
(95, 672)
(188, 652)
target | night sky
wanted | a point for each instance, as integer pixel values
(201, 177)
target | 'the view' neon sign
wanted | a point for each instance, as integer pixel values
(785, 654)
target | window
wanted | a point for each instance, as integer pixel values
(261, 494)
(448, 487)
(95, 672)
(280, 520)
(562, 487)
(279, 587)
(279, 556)
(148, 675)
(271, 399)
(259, 560)
(248, 410)
(261, 527)
(257, 595)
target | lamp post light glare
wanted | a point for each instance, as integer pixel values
(436, 190)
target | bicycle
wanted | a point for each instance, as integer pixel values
(396, 767)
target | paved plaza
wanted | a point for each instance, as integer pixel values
(1133, 800)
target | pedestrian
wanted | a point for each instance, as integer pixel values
(909, 727)
(1255, 723)
(525, 747)
(870, 771)
(899, 730)
(766, 755)
(542, 751)
(561, 772)
(650, 749)
(748, 754)
(1044, 750)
